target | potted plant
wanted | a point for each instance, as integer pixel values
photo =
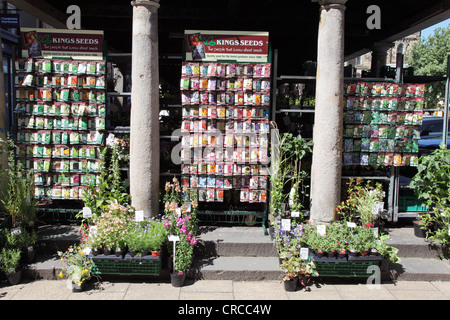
(9, 264)
(431, 185)
(76, 266)
(181, 223)
(388, 252)
(28, 240)
(291, 267)
(307, 270)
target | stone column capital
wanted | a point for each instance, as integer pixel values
(381, 47)
(154, 3)
(327, 4)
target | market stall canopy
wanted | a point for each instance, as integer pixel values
(292, 24)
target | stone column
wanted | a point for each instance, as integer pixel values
(327, 135)
(144, 123)
(379, 55)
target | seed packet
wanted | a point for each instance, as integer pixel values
(100, 96)
(374, 145)
(244, 195)
(101, 67)
(365, 145)
(210, 194)
(364, 161)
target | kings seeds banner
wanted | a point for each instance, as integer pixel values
(238, 46)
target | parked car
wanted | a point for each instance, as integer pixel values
(431, 134)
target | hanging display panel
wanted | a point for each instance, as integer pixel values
(382, 123)
(61, 122)
(225, 126)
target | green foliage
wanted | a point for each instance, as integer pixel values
(109, 188)
(19, 200)
(180, 222)
(432, 185)
(9, 260)
(288, 172)
(361, 198)
(429, 58)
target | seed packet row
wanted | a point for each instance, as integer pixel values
(384, 89)
(61, 123)
(383, 117)
(197, 140)
(227, 169)
(60, 95)
(246, 195)
(384, 104)
(225, 70)
(58, 192)
(62, 109)
(60, 81)
(213, 84)
(214, 181)
(224, 112)
(62, 137)
(60, 66)
(226, 98)
(381, 159)
(381, 145)
(58, 152)
(64, 179)
(232, 126)
(239, 155)
(63, 165)
(383, 131)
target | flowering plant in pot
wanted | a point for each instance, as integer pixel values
(76, 266)
(112, 225)
(291, 266)
(180, 222)
(10, 264)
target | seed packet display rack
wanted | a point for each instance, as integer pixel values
(225, 132)
(61, 121)
(382, 123)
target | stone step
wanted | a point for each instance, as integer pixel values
(409, 245)
(237, 268)
(234, 241)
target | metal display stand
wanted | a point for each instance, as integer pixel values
(392, 213)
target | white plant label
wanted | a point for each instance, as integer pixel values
(188, 206)
(178, 211)
(87, 212)
(295, 214)
(351, 224)
(322, 229)
(286, 224)
(173, 238)
(304, 253)
(139, 215)
(92, 231)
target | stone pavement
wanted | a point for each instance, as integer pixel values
(225, 290)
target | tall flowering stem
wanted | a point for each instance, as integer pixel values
(180, 219)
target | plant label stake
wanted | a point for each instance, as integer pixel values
(87, 212)
(295, 214)
(174, 239)
(139, 216)
(304, 253)
(286, 224)
(321, 229)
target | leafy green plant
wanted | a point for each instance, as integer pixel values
(19, 200)
(109, 188)
(432, 185)
(76, 264)
(9, 260)
(112, 226)
(288, 172)
(386, 250)
(181, 223)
